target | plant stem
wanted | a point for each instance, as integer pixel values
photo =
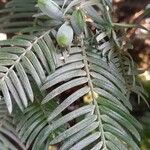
(97, 111)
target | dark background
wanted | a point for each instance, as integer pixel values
(134, 11)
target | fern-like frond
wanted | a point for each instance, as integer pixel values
(93, 73)
(19, 57)
(89, 71)
(17, 15)
(8, 136)
(128, 69)
(34, 120)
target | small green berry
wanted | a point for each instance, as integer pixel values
(65, 35)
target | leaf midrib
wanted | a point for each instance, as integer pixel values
(22, 55)
(97, 111)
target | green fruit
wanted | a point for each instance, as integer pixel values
(50, 8)
(64, 35)
(78, 21)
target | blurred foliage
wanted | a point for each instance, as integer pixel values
(145, 119)
(138, 11)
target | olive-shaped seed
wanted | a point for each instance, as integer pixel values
(64, 35)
